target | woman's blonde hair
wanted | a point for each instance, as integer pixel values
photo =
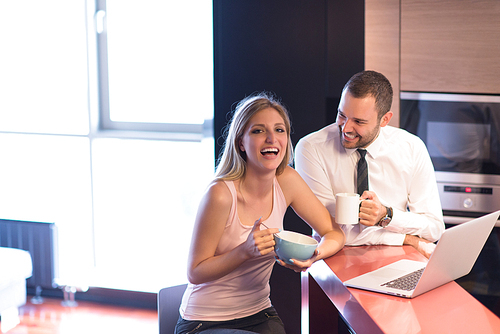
(232, 163)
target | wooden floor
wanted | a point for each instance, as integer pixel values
(88, 317)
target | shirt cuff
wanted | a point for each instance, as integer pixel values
(395, 224)
(393, 239)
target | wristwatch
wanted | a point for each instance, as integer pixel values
(387, 219)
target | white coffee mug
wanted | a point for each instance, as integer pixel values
(347, 208)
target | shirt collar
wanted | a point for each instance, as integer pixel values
(374, 148)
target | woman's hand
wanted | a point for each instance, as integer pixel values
(260, 242)
(298, 265)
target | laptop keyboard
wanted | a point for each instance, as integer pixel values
(407, 282)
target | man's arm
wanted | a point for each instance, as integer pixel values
(308, 165)
(425, 216)
(423, 246)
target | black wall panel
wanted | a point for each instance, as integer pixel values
(304, 52)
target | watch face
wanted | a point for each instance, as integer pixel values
(384, 222)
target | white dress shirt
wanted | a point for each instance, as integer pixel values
(400, 172)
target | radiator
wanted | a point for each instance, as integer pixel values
(39, 239)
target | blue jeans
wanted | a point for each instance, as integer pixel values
(263, 322)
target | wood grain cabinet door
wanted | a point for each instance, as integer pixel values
(450, 46)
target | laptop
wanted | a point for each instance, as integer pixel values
(454, 256)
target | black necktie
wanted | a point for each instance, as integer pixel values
(362, 172)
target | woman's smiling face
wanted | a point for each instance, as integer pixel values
(265, 139)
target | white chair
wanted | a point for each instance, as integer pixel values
(169, 301)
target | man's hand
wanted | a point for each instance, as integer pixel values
(425, 247)
(371, 211)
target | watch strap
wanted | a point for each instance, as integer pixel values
(389, 212)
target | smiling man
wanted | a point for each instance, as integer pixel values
(402, 204)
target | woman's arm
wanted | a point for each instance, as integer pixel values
(213, 212)
(307, 206)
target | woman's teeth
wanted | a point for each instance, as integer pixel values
(269, 151)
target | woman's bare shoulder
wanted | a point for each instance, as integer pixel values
(288, 175)
(290, 182)
(218, 193)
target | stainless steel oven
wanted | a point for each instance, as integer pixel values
(462, 134)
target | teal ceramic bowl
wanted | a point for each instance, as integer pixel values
(292, 245)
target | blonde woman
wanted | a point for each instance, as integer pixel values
(232, 248)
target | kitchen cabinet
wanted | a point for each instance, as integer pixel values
(450, 46)
(382, 44)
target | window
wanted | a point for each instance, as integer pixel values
(146, 194)
(123, 185)
(43, 67)
(157, 61)
(44, 123)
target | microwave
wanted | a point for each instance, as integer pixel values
(462, 135)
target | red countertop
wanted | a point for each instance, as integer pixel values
(447, 309)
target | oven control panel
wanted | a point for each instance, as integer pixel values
(469, 198)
